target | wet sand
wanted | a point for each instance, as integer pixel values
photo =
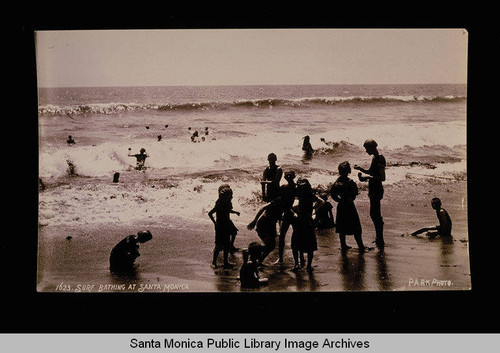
(178, 258)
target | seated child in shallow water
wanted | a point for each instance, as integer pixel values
(444, 227)
(249, 272)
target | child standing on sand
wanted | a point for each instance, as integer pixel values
(225, 230)
(303, 235)
(344, 191)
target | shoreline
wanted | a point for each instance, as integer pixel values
(179, 255)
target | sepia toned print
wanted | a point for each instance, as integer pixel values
(216, 160)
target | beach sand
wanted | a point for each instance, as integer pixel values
(177, 259)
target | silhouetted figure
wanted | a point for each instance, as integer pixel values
(249, 271)
(141, 158)
(194, 136)
(304, 235)
(344, 191)
(225, 230)
(376, 175)
(445, 224)
(71, 168)
(123, 255)
(271, 179)
(41, 185)
(287, 193)
(306, 146)
(116, 177)
(266, 219)
(159, 137)
(324, 215)
(70, 140)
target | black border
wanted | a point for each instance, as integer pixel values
(26, 311)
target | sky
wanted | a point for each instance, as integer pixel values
(93, 58)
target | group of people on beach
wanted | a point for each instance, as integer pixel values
(296, 204)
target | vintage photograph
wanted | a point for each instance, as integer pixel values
(252, 160)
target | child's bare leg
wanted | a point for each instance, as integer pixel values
(226, 262)
(295, 259)
(359, 241)
(343, 244)
(310, 256)
(216, 255)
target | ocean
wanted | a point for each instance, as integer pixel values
(420, 129)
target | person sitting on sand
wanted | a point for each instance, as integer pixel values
(344, 191)
(271, 179)
(304, 235)
(265, 220)
(324, 215)
(70, 140)
(141, 158)
(444, 227)
(249, 271)
(123, 255)
(225, 230)
(306, 146)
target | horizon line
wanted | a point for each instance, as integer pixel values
(265, 84)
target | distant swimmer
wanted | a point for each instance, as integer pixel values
(141, 158)
(123, 255)
(444, 227)
(194, 136)
(41, 185)
(159, 137)
(206, 131)
(271, 179)
(70, 140)
(306, 146)
(71, 168)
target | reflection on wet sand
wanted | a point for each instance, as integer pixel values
(352, 270)
(383, 276)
